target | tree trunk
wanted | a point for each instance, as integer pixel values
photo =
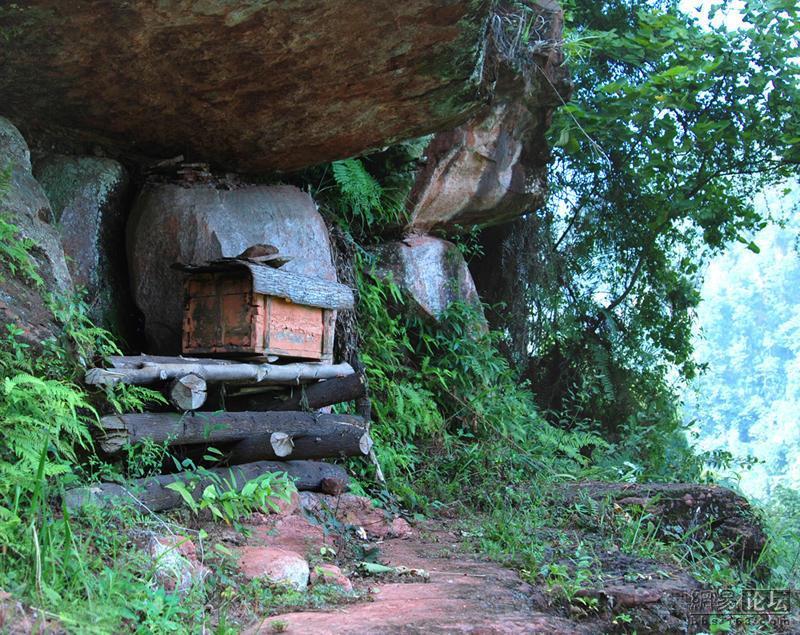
(151, 494)
(154, 372)
(311, 397)
(305, 434)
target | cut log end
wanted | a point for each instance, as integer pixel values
(282, 444)
(365, 443)
(187, 392)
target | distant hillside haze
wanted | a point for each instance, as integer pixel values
(748, 400)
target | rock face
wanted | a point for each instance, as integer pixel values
(493, 167)
(171, 223)
(88, 197)
(331, 574)
(358, 511)
(175, 563)
(252, 84)
(26, 206)
(275, 565)
(431, 271)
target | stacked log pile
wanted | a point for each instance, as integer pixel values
(269, 421)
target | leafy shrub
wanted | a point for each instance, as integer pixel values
(446, 401)
(203, 489)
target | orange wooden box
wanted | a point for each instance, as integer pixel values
(239, 308)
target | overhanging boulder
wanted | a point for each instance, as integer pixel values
(493, 168)
(251, 85)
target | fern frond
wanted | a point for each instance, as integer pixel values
(359, 190)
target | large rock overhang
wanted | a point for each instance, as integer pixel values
(249, 85)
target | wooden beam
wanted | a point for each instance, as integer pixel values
(301, 289)
(318, 442)
(138, 361)
(153, 372)
(295, 287)
(310, 397)
(187, 392)
(312, 435)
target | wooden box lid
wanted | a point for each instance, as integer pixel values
(294, 287)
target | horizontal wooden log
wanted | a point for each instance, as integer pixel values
(313, 435)
(313, 442)
(310, 397)
(138, 361)
(151, 373)
(151, 493)
(295, 287)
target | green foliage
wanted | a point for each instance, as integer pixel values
(359, 191)
(367, 196)
(782, 517)
(672, 129)
(446, 402)
(202, 489)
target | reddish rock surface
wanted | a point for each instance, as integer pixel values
(295, 533)
(330, 574)
(279, 566)
(462, 596)
(358, 511)
(493, 167)
(254, 85)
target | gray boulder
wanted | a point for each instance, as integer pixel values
(25, 205)
(431, 271)
(88, 200)
(171, 223)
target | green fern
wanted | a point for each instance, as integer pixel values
(37, 411)
(359, 192)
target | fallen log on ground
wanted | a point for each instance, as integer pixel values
(311, 397)
(301, 435)
(151, 494)
(154, 372)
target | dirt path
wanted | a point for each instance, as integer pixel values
(463, 595)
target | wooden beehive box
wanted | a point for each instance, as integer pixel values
(242, 308)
